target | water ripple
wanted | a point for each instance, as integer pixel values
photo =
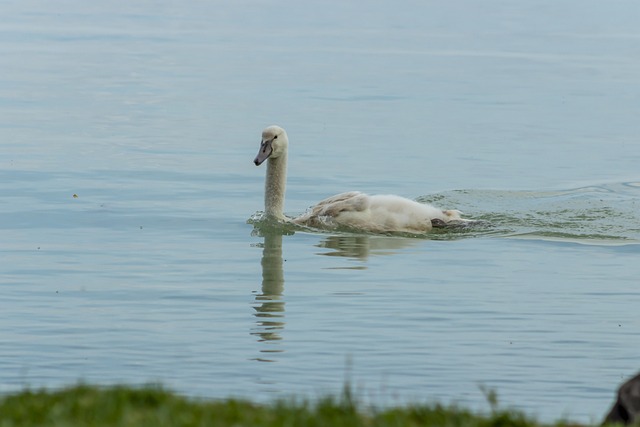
(605, 214)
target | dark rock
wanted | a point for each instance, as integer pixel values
(626, 409)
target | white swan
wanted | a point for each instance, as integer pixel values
(356, 210)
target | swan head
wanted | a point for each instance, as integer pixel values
(273, 145)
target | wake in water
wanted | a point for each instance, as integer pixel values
(607, 214)
(595, 214)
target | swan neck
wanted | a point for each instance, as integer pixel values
(275, 186)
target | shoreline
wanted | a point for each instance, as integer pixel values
(154, 405)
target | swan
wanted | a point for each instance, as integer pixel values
(355, 210)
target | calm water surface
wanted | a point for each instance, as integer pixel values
(132, 248)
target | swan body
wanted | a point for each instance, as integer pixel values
(353, 209)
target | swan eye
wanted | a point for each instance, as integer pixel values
(275, 137)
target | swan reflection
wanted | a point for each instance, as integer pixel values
(361, 247)
(269, 305)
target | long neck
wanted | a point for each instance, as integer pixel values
(275, 186)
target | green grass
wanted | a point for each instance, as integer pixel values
(87, 406)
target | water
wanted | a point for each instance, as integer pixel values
(523, 116)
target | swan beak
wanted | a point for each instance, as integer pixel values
(265, 151)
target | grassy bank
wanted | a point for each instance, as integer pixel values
(153, 406)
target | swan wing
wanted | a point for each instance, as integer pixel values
(351, 201)
(331, 207)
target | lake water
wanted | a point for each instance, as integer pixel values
(131, 249)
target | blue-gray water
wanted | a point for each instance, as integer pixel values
(520, 114)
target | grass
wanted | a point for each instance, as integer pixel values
(121, 406)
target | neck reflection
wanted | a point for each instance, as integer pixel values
(269, 305)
